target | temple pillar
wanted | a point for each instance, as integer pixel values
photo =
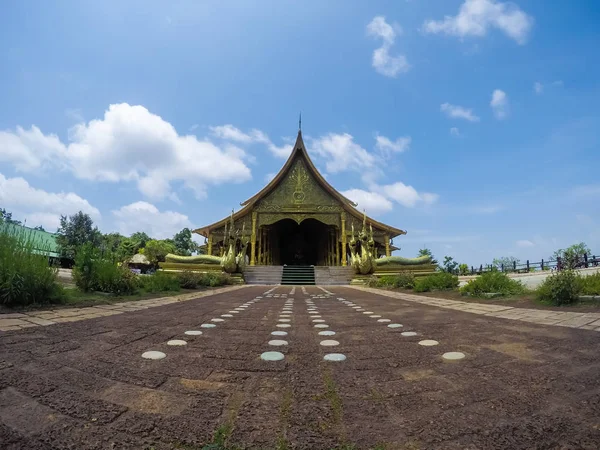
(209, 249)
(253, 241)
(343, 217)
(260, 243)
(337, 247)
(387, 245)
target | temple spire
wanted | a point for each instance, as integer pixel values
(300, 123)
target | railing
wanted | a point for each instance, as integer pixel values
(553, 264)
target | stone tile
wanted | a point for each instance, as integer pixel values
(11, 322)
(9, 328)
(12, 316)
(595, 323)
(576, 322)
(39, 321)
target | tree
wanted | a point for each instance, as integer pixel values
(427, 252)
(111, 242)
(508, 262)
(463, 269)
(74, 231)
(572, 255)
(127, 248)
(39, 228)
(140, 239)
(6, 216)
(156, 250)
(184, 245)
(449, 265)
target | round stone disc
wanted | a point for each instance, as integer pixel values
(319, 320)
(226, 315)
(284, 316)
(283, 325)
(334, 357)
(193, 333)
(453, 356)
(176, 342)
(409, 333)
(374, 316)
(283, 320)
(326, 333)
(356, 307)
(321, 325)
(279, 333)
(369, 312)
(217, 320)
(383, 320)
(329, 343)
(153, 355)
(428, 342)
(207, 325)
(272, 356)
(278, 342)
(234, 312)
(395, 325)
(360, 310)
(315, 317)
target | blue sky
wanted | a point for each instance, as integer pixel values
(474, 125)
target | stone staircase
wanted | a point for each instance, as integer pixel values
(333, 275)
(298, 275)
(263, 274)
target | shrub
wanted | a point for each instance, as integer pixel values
(93, 272)
(25, 275)
(591, 284)
(189, 279)
(562, 288)
(160, 282)
(440, 281)
(493, 281)
(404, 280)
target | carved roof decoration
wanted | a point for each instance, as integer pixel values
(299, 159)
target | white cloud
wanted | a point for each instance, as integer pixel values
(39, 207)
(524, 243)
(341, 153)
(128, 144)
(499, 104)
(539, 87)
(454, 131)
(407, 195)
(383, 61)
(144, 216)
(230, 133)
(387, 146)
(269, 177)
(477, 17)
(371, 202)
(458, 112)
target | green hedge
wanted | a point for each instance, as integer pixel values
(494, 281)
(404, 280)
(441, 281)
(562, 288)
(25, 276)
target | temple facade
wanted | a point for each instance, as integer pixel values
(297, 219)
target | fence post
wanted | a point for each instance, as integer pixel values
(542, 264)
(480, 269)
(585, 259)
(595, 263)
(558, 263)
(527, 265)
(502, 266)
(472, 270)
(514, 266)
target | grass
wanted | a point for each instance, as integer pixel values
(286, 406)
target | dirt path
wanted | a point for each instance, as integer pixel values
(84, 385)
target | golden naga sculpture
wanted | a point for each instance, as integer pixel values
(231, 261)
(363, 263)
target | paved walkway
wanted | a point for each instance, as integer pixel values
(17, 321)
(586, 321)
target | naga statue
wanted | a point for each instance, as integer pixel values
(363, 262)
(234, 258)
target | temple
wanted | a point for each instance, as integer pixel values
(298, 219)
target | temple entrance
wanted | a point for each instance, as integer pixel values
(306, 243)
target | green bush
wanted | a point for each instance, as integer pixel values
(93, 272)
(189, 279)
(160, 282)
(591, 284)
(440, 281)
(493, 282)
(404, 280)
(562, 288)
(25, 275)
(193, 280)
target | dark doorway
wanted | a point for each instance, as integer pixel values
(303, 244)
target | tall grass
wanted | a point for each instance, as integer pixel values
(25, 276)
